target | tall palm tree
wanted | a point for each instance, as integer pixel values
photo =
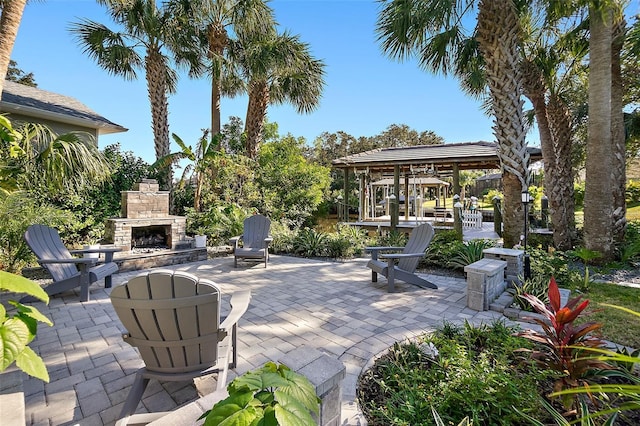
(216, 19)
(149, 37)
(599, 198)
(278, 68)
(9, 22)
(433, 31)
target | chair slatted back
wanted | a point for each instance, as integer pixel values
(418, 242)
(256, 229)
(45, 243)
(173, 319)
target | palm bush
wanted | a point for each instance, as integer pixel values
(469, 252)
(310, 243)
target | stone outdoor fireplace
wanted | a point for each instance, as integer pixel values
(145, 221)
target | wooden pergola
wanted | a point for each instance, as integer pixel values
(425, 161)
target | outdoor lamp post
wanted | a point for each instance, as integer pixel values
(339, 202)
(526, 199)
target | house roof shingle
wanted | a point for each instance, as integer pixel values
(33, 102)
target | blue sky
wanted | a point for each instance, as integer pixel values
(365, 91)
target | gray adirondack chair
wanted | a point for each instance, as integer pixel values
(407, 260)
(254, 241)
(173, 318)
(66, 270)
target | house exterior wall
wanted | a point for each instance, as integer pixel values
(57, 127)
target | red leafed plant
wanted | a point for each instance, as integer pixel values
(564, 347)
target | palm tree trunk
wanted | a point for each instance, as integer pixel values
(618, 135)
(218, 42)
(9, 23)
(256, 114)
(498, 34)
(157, 90)
(598, 199)
(563, 192)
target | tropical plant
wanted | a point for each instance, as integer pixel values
(217, 21)
(488, 56)
(586, 256)
(278, 68)
(36, 158)
(149, 36)
(564, 348)
(310, 243)
(9, 22)
(271, 395)
(536, 285)
(19, 329)
(469, 252)
(219, 222)
(19, 210)
(201, 159)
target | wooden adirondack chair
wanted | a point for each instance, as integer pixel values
(408, 260)
(173, 318)
(67, 271)
(254, 242)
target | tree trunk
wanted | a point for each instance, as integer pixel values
(498, 35)
(563, 192)
(256, 114)
(157, 89)
(598, 198)
(9, 23)
(618, 169)
(218, 42)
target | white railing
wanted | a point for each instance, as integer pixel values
(472, 219)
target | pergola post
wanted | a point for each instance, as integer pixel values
(456, 178)
(395, 207)
(406, 197)
(363, 204)
(345, 207)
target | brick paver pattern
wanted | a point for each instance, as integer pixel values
(332, 306)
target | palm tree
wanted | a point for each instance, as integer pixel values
(36, 158)
(9, 22)
(215, 20)
(150, 35)
(599, 199)
(278, 68)
(435, 34)
(200, 158)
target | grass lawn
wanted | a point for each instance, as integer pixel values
(620, 327)
(633, 211)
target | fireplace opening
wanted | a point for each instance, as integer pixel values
(151, 237)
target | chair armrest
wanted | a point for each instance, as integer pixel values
(383, 248)
(239, 305)
(268, 240)
(75, 260)
(108, 252)
(400, 255)
(235, 240)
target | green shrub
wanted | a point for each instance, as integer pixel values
(393, 238)
(347, 242)
(219, 222)
(460, 371)
(547, 264)
(283, 238)
(440, 252)
(309, 243)
(632, 192)
(19, 210)
(469, 252)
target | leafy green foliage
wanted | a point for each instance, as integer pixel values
(547, 264)
(271, 395)
(536, 285)
(310, 243)
(563, 344)
(219, 222)
(469, 252)
(291, 186)
(19, 210)
(393, 238)
(441, 249)
(460, 371)
(347, 242)
(19, 329)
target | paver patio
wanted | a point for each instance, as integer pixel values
(332, 306)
